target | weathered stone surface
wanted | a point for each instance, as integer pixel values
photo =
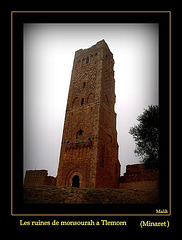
(89, 146)
(38, 178)
(138, 173)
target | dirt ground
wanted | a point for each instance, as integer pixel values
(134, 194)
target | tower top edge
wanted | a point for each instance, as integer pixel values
(100, 44)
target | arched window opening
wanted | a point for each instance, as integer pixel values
(87, 59)
(75, 102)
(75, 181)
(102, 162)
(79, 133)
(83, 60)
(90, 98)
(82, 101)
(95, 57)
(116, 167)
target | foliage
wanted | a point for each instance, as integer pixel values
(146, 136)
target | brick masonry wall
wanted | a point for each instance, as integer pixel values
(137, 172)
(38, 178)
(89, 146)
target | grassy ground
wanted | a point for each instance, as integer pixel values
(71, 195)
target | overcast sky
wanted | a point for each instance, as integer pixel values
(48, 59)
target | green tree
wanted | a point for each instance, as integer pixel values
(146, 136)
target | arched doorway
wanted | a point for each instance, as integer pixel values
(76, 181)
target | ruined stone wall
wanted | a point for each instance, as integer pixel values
(50, 180)
(137, 173)
(38, 178)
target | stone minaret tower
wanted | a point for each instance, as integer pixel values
(89, 149)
